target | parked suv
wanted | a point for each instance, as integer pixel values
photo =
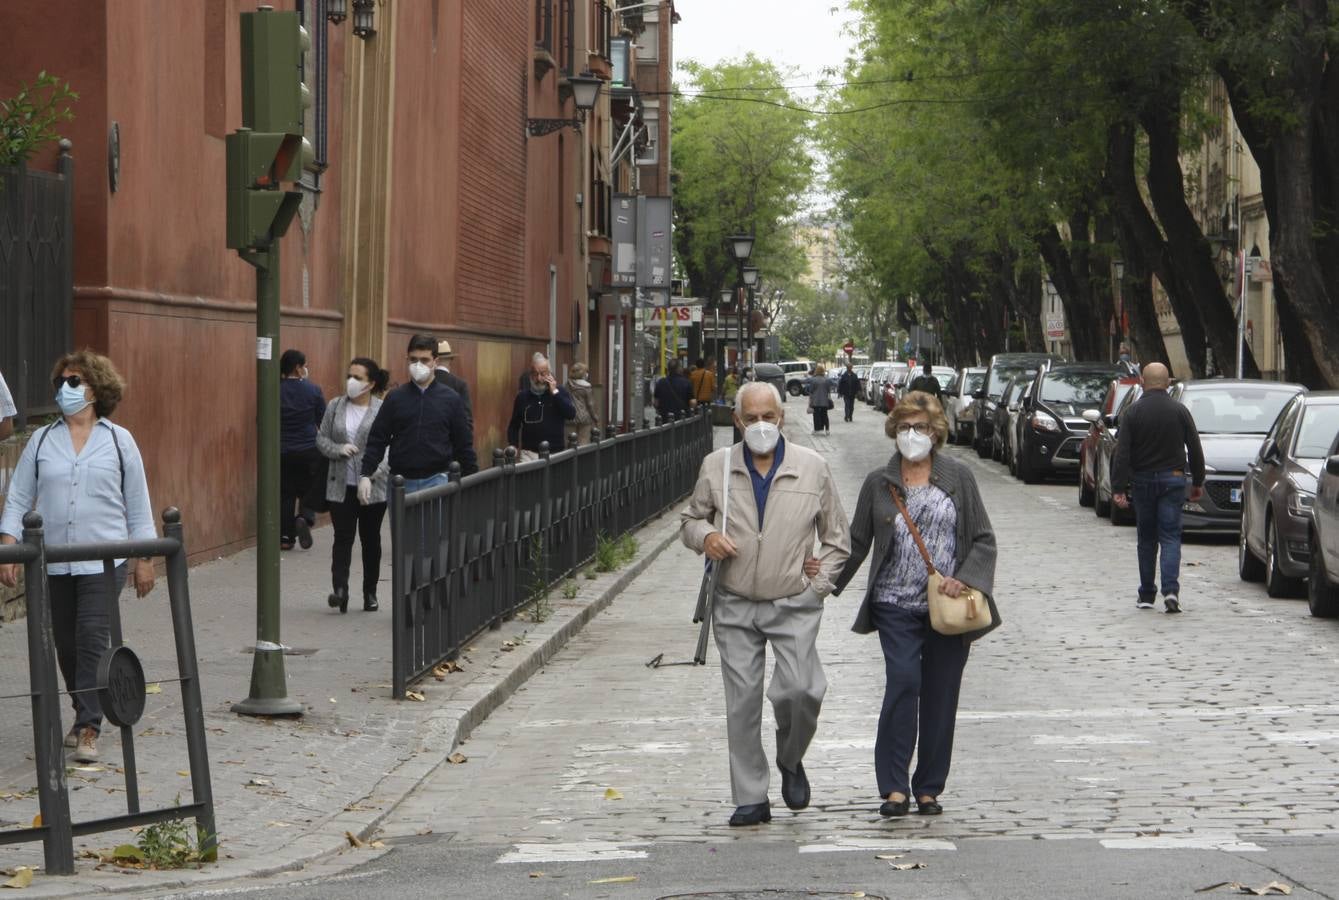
(796, 371)
(1323, 576)
(1002, 368)
(958, 405)
(1233, 417)
(1280, 490)
(1053, 425)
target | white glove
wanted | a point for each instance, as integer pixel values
(364, 490)
(349, 450)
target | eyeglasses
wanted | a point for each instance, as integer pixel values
(72, 380)
(921, 428)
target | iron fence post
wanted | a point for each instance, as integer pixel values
(399, 604)
(183, 629)
(546, 512)
(53, 797)
(574, 510)
(513, 539)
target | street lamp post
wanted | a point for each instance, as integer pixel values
(741, 248)
(1247, 267)
(720, 357)
(1118, 333)
(750, 274)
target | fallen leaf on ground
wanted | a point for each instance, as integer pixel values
(88, 769)
(440, 672)
(906, 867)
(611, 794)
(457, 758)
(37, 821)
(621, 879)
(128, 852)
(511, 645)
(259, 782)
(377, 845)
(23, 877)
(354, 840)
(1274, 887)
(415, 695)
(536, 874)
(184, 773)
(278, 824)
(890, 856)
(153, 688)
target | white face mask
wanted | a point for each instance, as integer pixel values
(762, 437)
(914, 447)
(581, 382)
(355, 388)
(419, 372)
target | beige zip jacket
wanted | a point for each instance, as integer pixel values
(802, 509)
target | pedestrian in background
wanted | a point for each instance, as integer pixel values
(848, 388)
(673, 392)
(704, 381)
(85, 476)
(731, 386)
(583, 400)
(424, 426)
(923, 668)
(444, 375)
(540, 412)
(7, 409)
(782, 500)
(1156, 436)
(301, 406)
(927, 383)
(342, 439)
(820, 400)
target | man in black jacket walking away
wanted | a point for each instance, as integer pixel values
(927, 382)
(541, 412)
(424, 424)
(848, 388)
(1156, 436)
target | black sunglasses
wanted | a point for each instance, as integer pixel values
(72, 380)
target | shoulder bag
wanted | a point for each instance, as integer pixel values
(969, 611)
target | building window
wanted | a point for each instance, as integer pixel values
(619, 51)
(648, 43)
(649, 155)
(316, 119)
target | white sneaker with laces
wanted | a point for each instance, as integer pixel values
(86, 750)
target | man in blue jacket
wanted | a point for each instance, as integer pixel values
(540, 413)
(425, 425)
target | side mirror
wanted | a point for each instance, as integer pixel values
(1025, 403)
(1013, 407)
(1270, 453)
(1332, 465)
(1092, 416)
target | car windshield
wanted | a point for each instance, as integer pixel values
(1320, 426)
(999, 378)
(1119, 394)
(1079, 388)
(945, 379)
(1236, 409)
(974, 382)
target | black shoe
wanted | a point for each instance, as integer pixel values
(370, 601)
(794, 786)
(929, 807)
(339, 599)
(752, 815)
(1144, 603)
(1172, 602)
(304, 530)
(895, 809)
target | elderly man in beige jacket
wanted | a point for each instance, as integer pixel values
(783, 501)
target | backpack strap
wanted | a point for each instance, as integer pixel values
(120, 458)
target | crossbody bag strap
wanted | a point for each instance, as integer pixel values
(725, 489)
(911, 526)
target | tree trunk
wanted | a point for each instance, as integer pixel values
(1189, 251)
(1085, 322)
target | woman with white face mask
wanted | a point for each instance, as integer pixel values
(342, 439)
(923, 668)
(579, 386)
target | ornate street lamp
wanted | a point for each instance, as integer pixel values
(585, 92)
(750, 276)
(363, 13)
(741, 246)
(336, 10)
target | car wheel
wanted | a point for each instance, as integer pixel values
(1322, 597)
(1027, 471)
(1249, 566)
(1101, 504)
(1087, 493)
(982, 449)
(794, 389)
(1277, 584)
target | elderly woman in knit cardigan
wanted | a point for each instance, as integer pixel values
(923, 668)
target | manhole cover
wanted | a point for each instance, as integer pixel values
(771, 895)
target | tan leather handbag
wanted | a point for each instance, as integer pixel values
(969, 611)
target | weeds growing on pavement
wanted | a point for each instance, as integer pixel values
(614, 553)
(163, 845)
(541, 607)
(570, 589)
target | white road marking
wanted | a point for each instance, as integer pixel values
(1302, 737)
(1085, 740)
(847, 844)
(581, 851)
(1225, 841)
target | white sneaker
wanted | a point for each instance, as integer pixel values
(86, 750)
(72, 737)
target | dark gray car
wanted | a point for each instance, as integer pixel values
(1279, 491)
(1323, 576)
(773, 375)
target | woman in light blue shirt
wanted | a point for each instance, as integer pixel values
(85, 476)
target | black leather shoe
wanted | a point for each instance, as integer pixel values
(304, 530)
(794, 786)
(929, 808)
(752, 815)
(895, 809)
(370, 601)
(339, 600)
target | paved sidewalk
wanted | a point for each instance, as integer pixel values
(286, 791)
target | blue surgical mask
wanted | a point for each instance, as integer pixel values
(71, 400)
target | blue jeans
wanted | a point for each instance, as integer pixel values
(1158, 498)
(422, 484)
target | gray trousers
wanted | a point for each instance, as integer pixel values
(743, 628)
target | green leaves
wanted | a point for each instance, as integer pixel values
(29, 119)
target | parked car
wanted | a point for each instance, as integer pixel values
(878, 373)
(773, 374)
(893, 386)
(1023, 395)
(999, 430)
(1100, 421)
(796, 371)
(1003, 366)
(959, 407)
(862, 372)
(1103, 504)
(1053, 425)
(1233, 417)
(1279, 491)
(1323, 573)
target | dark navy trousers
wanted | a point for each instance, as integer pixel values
(1158, 498)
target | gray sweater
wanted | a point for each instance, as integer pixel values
(818, 392)
(872, 528)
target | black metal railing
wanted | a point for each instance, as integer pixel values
(470, 553)
(121, 690)
(544, 24)
(36, 278)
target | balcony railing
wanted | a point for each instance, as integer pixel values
(544, 24)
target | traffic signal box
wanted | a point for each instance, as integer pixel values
(269, 149)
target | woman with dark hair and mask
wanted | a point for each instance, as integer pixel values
(342, 439)
(923, 667)
(85, 476)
